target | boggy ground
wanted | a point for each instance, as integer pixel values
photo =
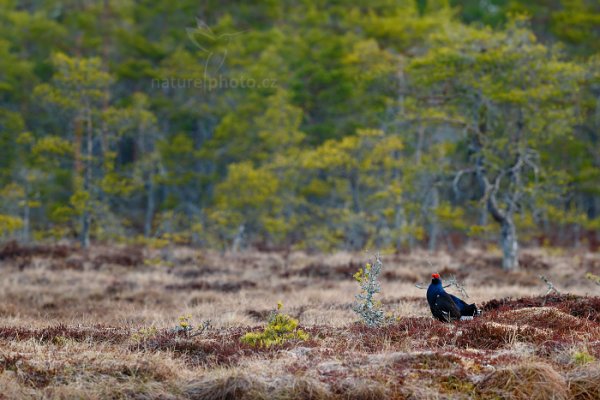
(78, 324)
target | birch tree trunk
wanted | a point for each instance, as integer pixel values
(508, 230)
(509, 244)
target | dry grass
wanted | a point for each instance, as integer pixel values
(584, 383)
(69, 319)
(530, 381)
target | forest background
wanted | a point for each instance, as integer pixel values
(319, 125)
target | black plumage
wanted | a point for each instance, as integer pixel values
(446, 307)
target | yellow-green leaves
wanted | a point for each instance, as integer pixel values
(280, 329)
(9, 224)
(250, 197)
(52, 146)
(247, 187)
(78, 83)
(79, 201)
(369, 309)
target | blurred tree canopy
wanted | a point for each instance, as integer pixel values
(314, 124)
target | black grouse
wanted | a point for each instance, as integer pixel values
(446, 307)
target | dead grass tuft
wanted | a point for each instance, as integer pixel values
(323, 271)
(362, 389)
(222, 347)
(13, 249)
(225, 385)
(584, 384)
(530, 381)
(56, 333)
(530, 261)
(226, 287)
(235, 384)
(490, 335)
(422, 330)
(436, 361)
(456, 385)
(577, 306)
(125, 257)
(543, 317)
(37, 376)
(290, 387)
(401, 276)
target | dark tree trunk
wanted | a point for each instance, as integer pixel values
(354, 188)
(433, 223)
(26, 221)
(149, 208)
(87, 183)
(399, 224)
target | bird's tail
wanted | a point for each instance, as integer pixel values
(471, 310)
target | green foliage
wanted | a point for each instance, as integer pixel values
(592, 277)
(76, 82)
(582, 357)
(280, 329)
(9, 224)
(50, 146)
(367, 308)
(186, 327)
(247, 197)
(571, 22)
(144, 334)
(358, 117)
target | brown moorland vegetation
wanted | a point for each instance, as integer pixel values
(100, 324)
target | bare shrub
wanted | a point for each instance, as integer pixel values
(126, 257)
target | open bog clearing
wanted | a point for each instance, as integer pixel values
(101, 324)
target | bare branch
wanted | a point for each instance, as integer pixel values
(451, 282)
(459, 286)
(517, 167)
(490, 191)
(434, 120)
(202, 329)
(515, 172)
(551, 288)
(530, 163)
(429, 262)
(456, 180)
(424, 285)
